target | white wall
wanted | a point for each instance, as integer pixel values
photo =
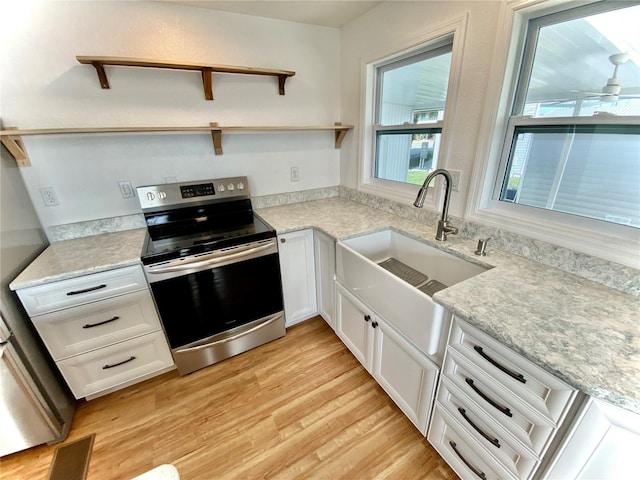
(42, 85)
(376, 35)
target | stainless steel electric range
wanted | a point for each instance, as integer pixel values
(213, 268)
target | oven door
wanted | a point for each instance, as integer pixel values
(217, 298)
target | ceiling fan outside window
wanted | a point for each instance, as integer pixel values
(569, 64)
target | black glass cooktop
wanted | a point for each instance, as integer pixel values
(207, 238)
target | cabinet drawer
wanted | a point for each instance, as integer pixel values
(108, 367)
(527, 425)
(541, 390)
(79, 290)
(467, 458)
(80, 329)
(503, 446)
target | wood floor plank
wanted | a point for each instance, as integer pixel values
(299, 407)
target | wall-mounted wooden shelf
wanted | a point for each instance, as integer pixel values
(205, 70)
(12, 137)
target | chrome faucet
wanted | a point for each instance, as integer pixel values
(443, 223)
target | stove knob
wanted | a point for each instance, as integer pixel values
(240, 186)
(162, 195)
(221, 188)
(150, 196)
(230, 187)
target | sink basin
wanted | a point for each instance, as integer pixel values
(396, 276)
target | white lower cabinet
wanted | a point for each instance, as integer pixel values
(603, 444)
(463, 454)
(325, 263)
(297, 267)
(496, 413)
(405, 374)
(117, 365)
(102, 330)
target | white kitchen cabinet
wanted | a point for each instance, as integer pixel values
(353, 320)
(102, 329)
(602, 444)
(297, 266)
(505, 410)
(325, 263)
(122, 364)
(405, 373)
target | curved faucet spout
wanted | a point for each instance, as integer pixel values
(443, 223)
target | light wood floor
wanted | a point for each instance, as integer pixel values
(299, 407)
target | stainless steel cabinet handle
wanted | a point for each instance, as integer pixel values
(91, 325)
(489, 400)
(518, 376)
(87, 290)
(466, 462)
(492, 440)
(113, 365)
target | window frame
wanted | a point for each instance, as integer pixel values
(455, 30)
(617, 243)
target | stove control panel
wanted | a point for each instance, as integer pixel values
(153, 196)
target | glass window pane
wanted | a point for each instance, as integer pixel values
(406, 157)
(591, 171)
(415, 92)
(585, 66)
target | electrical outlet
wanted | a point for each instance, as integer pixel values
(456, 175)
(126, 189)
(49, 197)
(295, 174)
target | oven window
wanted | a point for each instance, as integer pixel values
(198, 305)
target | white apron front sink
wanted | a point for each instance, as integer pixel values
(396, 276)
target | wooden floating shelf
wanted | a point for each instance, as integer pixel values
(206, 70)
(12, 137)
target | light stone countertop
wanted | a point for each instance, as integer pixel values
(585, 333)
(82, 256)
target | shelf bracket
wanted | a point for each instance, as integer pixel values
(207, 82)
(16, 148)
(216, 135)
(281, 80)
(339, 134)
(102, 75)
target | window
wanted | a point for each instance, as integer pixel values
(410, 98)
(573, 138)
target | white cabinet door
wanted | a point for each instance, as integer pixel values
(407, 376)
(604, 443)
(325, 258)
(297, 266)
(353, 326)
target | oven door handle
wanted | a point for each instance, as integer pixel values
(210, 261)
(229, 339)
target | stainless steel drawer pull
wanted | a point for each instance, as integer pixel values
(518, 376)
(493, 441)
(466, 462)
(130, 359)
(487, 399)
(91, 325)
(87, 290)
